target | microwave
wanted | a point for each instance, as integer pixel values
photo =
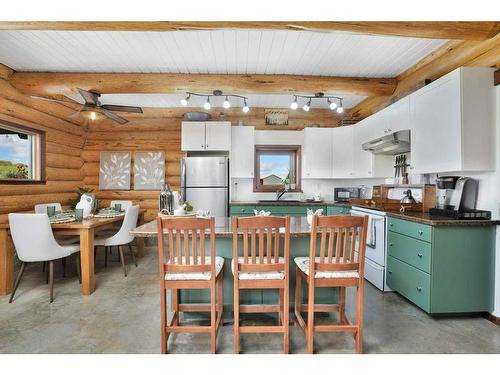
(345, 194)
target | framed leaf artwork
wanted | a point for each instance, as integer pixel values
(114, 171)
(149, 170)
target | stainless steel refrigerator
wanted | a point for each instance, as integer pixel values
(205, 183)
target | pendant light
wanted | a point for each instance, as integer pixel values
(307, 106)
(184, 101)
(294, 104)
(207, 104)
(226, 104)
(245, 108)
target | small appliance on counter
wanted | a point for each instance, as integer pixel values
(345, 194)
(456, 198)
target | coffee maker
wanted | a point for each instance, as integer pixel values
(456, 198)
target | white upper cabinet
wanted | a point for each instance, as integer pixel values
(453, 123)
(390, 119)
(343, 152)
(218, 136)
(317, 153)
(242, 151)
(206, 136)
(193, 136)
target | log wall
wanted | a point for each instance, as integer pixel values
(64, 145)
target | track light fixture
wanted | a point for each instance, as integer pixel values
(226, 104)
(334, 102)
(185, 100)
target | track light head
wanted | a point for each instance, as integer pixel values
(226, 104)
(294, 104)
(184, 101)
(207, 104)
(245, 108)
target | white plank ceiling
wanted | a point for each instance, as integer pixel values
(220, 51)
(216, 52)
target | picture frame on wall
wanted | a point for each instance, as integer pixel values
(149, 170)
(114, 170)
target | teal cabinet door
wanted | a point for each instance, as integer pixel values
(241, 210)
(410, 250)
(337, 210)
(410, 282)
(409, 228)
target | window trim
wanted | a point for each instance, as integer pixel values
(297, 149)
(39, 150)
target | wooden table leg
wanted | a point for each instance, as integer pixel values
(139, 241)
(87, 260)
(6, 263)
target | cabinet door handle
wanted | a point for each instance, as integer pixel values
(420, 232)
(391, 224)
(419, 289)
(390, 243)
(419, 255)
(390, 272)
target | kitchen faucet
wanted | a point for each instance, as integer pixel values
(281, 192)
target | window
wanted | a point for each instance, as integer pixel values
(22, 154)
(277, 167)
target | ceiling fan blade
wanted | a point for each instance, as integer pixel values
(90, 97)
(121, 108)
(113, 116)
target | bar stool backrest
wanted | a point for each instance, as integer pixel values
(186, 244)
(342, 244)
(261, 243)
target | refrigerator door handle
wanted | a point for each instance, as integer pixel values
(183, 180)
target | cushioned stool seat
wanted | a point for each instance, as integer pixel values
(219, 263)
(303, 264)
(272, 275)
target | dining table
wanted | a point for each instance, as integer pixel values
(86, 231)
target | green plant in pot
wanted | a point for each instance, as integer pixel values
(79, 192)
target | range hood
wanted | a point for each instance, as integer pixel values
(392, 144)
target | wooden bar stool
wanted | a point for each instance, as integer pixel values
(261, 267)
(340, 264)
(188, 267)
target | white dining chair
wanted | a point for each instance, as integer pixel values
(42, 208)
(34, 241)
(62, 240)
(123, 237)
(125, 204)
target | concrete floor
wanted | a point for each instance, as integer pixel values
(122, 316)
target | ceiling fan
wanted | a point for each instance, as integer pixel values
(93, 109)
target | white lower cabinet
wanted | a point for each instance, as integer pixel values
(242, 151)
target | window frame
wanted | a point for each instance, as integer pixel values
(277, 149)
(38, 154)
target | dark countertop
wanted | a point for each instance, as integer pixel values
(417, 217)
(223, 228)
(283, 202)
(425, 218)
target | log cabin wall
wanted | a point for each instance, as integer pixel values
(160, 130)
(64, 144)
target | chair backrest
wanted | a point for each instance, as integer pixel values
(123, 235)
(186, 239)
(33, 238)
(342, 244)
(261, 243)
(125, 204)
(42, 208)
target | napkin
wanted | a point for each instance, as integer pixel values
(261, 213)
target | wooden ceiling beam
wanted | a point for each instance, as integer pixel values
(47, 84)
(424, 29)
(449, 57)
(5, 72)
